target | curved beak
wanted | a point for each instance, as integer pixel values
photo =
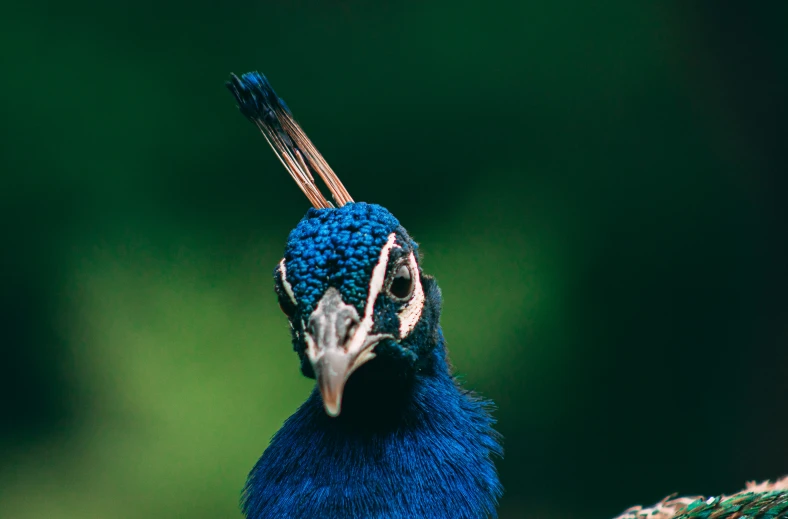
(337, 342)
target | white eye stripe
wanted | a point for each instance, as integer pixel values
(410, 314)
(286, 284)
(379, 276)
(375, 287)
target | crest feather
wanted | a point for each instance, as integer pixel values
(260, 104)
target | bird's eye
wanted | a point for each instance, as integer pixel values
(402, 285)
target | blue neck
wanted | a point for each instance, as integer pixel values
(402, 448)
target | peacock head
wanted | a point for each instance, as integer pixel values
(350, 282)
(351, 286)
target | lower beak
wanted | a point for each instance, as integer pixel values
(333, 370)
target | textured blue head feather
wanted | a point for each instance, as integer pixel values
(339, 247)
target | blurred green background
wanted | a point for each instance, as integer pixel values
(598, 187)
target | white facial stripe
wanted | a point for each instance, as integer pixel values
(378, 276)
(411, 312)
(375, 286)
(285, 283)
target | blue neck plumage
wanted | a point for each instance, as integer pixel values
(402, 448)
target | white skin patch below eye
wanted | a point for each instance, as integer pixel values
(410, 314)
(286, 284)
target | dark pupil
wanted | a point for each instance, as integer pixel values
(402, 283)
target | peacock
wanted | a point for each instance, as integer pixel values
(388, 431)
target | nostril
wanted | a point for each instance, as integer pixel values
(351, 330)
(349, 325)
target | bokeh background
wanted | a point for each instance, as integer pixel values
(598, 187)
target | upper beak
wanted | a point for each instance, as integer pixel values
(338, 342)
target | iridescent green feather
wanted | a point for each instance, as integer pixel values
(758, 501)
